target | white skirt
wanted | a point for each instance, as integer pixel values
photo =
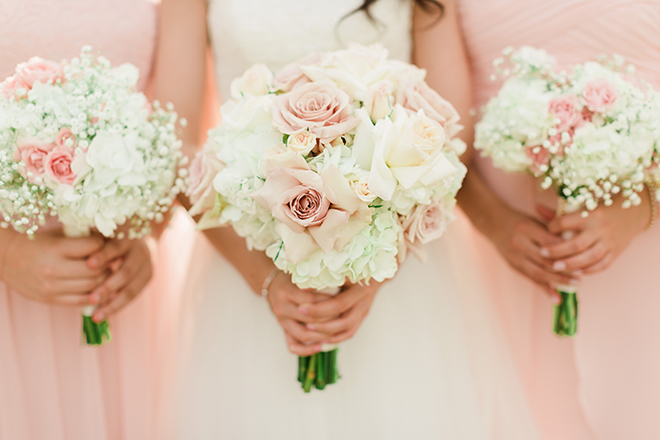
(427, 363)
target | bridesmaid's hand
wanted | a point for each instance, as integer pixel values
(132, 268)
(521, 241)
(51, 268)
(285, 301)
(599, 238)
(341, 316)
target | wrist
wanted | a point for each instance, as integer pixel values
(652, 188)
(7, 238)
(265, 286)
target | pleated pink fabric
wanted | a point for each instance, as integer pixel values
(52, 387)
(604, 384)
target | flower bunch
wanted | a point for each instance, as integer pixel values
(77, 141)
(590, 132)
(336, 166)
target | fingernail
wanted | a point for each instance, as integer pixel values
(303, 309)
(574, 282)
(94, 298)
(545, 253)
(559, 265)
(556, 300)
(93, 262)
(578, 273)
(98, 317)
(311, 327)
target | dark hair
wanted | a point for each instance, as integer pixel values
(429, 6)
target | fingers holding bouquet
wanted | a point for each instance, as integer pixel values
(598, 238)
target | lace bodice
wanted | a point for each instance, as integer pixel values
(123, 30)
(245, 32)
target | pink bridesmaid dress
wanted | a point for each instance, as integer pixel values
(52, 387)
(605, 383)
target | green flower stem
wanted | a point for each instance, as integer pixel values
(311, 373)
(96, 334)
(318, 371)
(302, 368)
(566, 315)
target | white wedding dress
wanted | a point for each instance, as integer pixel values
(427, 362)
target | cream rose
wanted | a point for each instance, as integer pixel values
(313, 210)
(302, 142)
(408, 149)
(256, 81)
(380, 101)
(361, 188)
(320, 106)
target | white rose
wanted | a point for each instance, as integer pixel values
(380, 101)
(302, 142)
(256, 81)
(114, 159)
(408, 149)
(355, 68)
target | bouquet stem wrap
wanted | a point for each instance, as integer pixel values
(94, 333)
(320, 369)
(566, 312)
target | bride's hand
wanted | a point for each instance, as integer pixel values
(520, 240)
(341, 316)
(285, 301)
(599, 238)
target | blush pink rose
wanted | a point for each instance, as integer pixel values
(12, 85)
(314, 210)
(58, 165)
(38, 69)
(34, 152)
(63, 136)
(417, 95)
(292, 75)
(539, 158)
(305, 206)
(600, 95)
(566, 109)
(203, 169)
(320, 106)
(424, 224)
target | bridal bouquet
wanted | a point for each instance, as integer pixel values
(79, 143)
(336, 167)
(590, 133)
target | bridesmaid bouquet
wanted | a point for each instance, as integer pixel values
(336, 167)
(79, 143)
(591, 132)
